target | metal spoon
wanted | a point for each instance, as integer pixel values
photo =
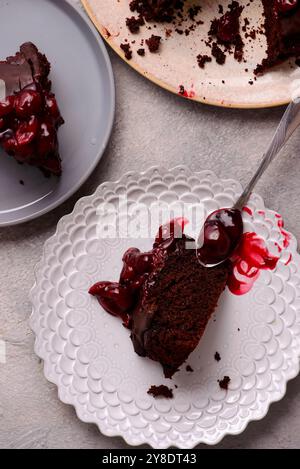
(222, 230)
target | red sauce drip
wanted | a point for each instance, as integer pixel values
(187, 94)
(286, 236)
(247, 210)
(249, 259)
(289, 260)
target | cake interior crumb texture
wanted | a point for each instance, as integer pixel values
(176, 303)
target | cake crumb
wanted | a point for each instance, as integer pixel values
(22, 182)
(189, 369)
(141, 52)
(223, 383)
(127, 51)
(153, 43)
(218, 54)
(133, 24)
(202, 59)
(217, 357)
(160, 391)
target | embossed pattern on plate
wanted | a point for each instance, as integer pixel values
(89, 356)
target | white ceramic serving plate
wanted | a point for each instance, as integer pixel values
(89, 356)
(83, 81)
(176, 64)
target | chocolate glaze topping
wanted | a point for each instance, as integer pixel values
(24, 68)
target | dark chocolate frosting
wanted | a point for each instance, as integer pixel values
(26, 67)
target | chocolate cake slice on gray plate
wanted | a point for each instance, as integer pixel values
(29, 114)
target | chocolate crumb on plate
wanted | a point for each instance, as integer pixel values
(189, 369)
(217, 357)
(22, 182)
(193, 11)
(202, 59)
(127, 51)
(153, 43)
(133, 24)
(224, 383)
(218, 54)
(160, 391)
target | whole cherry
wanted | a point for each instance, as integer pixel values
(284, 6)
(7, 106)
(27, 103)
(27, 131)
(10, 144)
(135, 264)
(219, 236)
(116, 299)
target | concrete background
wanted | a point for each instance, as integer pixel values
(151, 127)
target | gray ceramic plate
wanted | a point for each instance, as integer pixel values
(83, 82)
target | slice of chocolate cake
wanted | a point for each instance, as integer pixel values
(29, 114)
(165, 296)
(176, 302)
(282, 28)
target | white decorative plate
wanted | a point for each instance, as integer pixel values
(89, 356)
(176, 62)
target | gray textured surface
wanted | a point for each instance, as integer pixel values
(151, 127)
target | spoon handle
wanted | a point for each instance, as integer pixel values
(288, 124)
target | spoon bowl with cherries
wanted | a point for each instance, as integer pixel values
(223, 229)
